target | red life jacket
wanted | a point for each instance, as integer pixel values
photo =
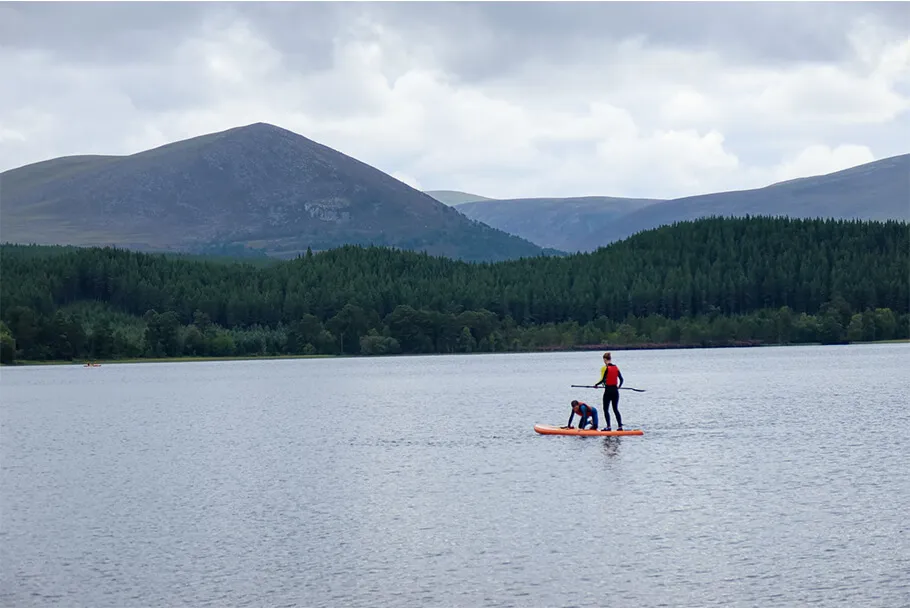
(612, 375)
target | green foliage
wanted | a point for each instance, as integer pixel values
(7, 345)
(374, 344)
(714, 281)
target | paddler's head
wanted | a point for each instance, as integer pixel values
(574, 404)
(607, 358)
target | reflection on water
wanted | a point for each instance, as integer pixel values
(611, 446)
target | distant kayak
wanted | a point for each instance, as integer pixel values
(547, 429)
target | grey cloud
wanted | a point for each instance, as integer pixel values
(131, 32)
(303, 33)
(481, 40)
(476, 40)
(106, 32)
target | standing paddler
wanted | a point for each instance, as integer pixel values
(611, 380)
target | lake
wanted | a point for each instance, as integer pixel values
(775, 476)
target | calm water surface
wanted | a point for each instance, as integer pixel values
(765, 477)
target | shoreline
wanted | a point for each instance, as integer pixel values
(660, 346)
(544, 349)
(190, 359)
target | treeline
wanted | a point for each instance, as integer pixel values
(708, 282)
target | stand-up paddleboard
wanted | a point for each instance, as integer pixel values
(548, 429)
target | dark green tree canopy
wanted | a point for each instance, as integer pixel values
(666, 285)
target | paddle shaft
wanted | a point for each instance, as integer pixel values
(622, 388)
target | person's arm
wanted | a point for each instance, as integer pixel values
(571, 417)
(603, 377)
(619, 376)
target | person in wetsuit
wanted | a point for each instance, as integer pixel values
(585, 412)
(611, 380)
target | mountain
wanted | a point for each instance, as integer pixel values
(257, 186)
(561, 223)
(878, 191)
(454, 197)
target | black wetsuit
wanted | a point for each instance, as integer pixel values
(611, 396)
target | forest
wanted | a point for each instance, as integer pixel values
(710, 282)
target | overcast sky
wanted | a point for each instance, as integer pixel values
(503, 100)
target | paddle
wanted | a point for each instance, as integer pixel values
(622, 388)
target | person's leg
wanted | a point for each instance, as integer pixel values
(594, 423)
(607, 409)
(616, 410)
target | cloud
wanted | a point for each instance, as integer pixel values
(10, 135)
(818, 159)
(501, 100)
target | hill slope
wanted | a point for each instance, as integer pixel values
(258, 186)
(455, 197)
(876, 191)
(561, 223)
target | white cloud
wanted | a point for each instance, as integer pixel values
(828, 94)
(819, 159)
(687, 106)
(10, 135)
(628, 118)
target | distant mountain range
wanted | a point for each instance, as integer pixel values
(573, 223)
(257, 187)
(877, 191)
(263, 190)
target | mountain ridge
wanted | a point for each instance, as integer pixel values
(257, 186)
(560, 223)
(455, 197)
(262, 189)
(876, 190)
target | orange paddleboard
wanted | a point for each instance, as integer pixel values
(547, 429)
